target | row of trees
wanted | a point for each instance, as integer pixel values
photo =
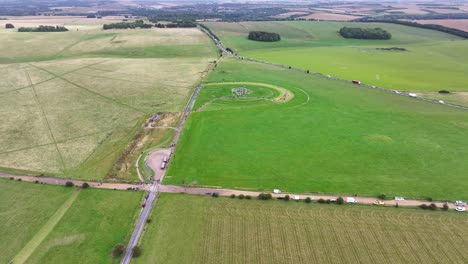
(264, 36)
(364, 33)
(448, 30)
(43, 29)
(127, 25)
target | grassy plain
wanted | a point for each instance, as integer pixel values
(332, 137)
(201, 229)
(433, 60)
(95, 221)
(71, 101)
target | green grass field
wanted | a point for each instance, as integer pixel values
(331, 137)
(87, 228)
(71, 102)
(434, 60)
(226, 230)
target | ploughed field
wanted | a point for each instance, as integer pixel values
(201, 229)
(55, 224)
(70, 102)
(304, 133)
(433, 61)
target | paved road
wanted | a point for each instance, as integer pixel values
(153, 190)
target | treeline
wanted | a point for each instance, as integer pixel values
(43, 29)
(415, 17)
(453, 31)
(364, 33)
(127, 25)
(174, 24)
(264, 36)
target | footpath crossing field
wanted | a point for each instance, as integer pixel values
(226, 230)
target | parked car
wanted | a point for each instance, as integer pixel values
(460, 209)
(460, 203)
(277, 191)
(399, 198)
(351, 200)
(378, 202)
(295, 198)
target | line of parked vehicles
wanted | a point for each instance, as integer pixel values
(460, 205)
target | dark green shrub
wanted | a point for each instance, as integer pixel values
(444, 92)
(286, 197)
(85, 185)
(429, 199)
(233, 196)
(445, 207)
(396, 205)
(382, 196)
(148, 220)
(265, 196)
(424, 206)
(308, 200)
(215, 195)
(240, 196)
(321, 200)
(69, 184)
(118, 250)
(263, 36)
(248, 197)
(340, 200)
(9, 25)
(433, 206)
(136, 251)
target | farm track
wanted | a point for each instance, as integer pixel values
(223, 49)
(31, 246)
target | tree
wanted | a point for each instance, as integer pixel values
(241, 196)
(364, 33)
(215, 195)
(340, 200)
(118, 250)
(321, 200)
(429, 199)
(444, 92)
(69, 184)
(307, 200)
(445, 207)
(248, 197)
(424, 206)
(9, 25)
(382, 196)
(233, 196)
(286, 197)
(136, 251)
(433, 206)
(263, 36)
(85, 185)
(265, 196)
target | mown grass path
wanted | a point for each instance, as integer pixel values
(31, 246)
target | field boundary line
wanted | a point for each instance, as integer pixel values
(91, 91)
(38, 102)
(57, 142)
(45, 230)
(54, 76)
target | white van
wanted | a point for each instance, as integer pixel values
(163, 165)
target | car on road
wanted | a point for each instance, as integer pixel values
(378, 202)
(277, 191)
(460, 209)
(351, 200)
(295, 198)
(399, 198)
(460, 203)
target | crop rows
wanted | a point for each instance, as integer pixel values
(287, 232)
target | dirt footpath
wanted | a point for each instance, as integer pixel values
(228, 192)
(59, 181)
